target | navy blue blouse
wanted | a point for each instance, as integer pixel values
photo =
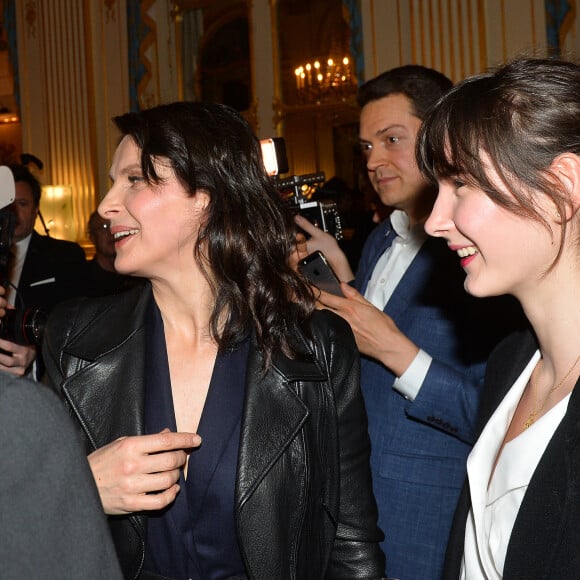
(195, 537)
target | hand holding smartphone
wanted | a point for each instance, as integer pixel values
(317, 269)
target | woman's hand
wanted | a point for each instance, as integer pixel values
(140, 473)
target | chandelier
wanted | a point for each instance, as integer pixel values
(330, 81)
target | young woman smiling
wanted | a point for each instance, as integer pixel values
(504, 148)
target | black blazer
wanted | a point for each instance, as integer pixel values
(304, 505)
(545, 539)
(52, 272)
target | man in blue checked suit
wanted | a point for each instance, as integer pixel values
(424, 341)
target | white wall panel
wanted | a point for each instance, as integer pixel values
(457, 37)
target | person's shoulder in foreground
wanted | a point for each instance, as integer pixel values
(53, 525)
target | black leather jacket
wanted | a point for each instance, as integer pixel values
(94, 354)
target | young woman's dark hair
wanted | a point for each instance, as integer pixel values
(421, 85)
(244, 246)
(535, 107)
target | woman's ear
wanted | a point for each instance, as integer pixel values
(201, 199)
(566, 169)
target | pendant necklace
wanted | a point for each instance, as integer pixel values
(538, 409)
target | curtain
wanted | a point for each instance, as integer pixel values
(559, 14)
(353, 16)
(9, 20)
(138, 35)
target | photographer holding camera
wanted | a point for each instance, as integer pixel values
(37, 271)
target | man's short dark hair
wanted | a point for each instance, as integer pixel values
(22, 173)
(421, 85)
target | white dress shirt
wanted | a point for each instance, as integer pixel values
(495, 503)
(387, 274)
(18, 250)
(393, 264)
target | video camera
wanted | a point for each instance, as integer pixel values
(299, 190)
(22, 326)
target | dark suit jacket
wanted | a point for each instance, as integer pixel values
(546, 534)
(53, 524)
(51, 273)
(419, 447)
(100, 282)
(304, 507)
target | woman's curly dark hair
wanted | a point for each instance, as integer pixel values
(245, 242)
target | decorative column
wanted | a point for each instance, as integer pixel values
(265, 66)
(73, 78)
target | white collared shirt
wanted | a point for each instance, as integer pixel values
(386, 276)
(393, 264)
(495, 504)
(19, 250)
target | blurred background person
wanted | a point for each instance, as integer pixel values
(40, 272)
(100, 234)
(100, 277)
(44, 270)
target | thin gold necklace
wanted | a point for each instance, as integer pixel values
(537, 410)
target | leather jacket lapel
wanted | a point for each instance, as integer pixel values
(274, 413)
(92, 376)
(122, 405)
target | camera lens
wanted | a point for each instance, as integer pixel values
(24, 327)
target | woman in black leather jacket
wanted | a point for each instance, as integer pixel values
(222, 414)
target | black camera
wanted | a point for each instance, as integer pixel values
(22, 326)
(300, 190)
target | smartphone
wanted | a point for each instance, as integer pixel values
(316, 268)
